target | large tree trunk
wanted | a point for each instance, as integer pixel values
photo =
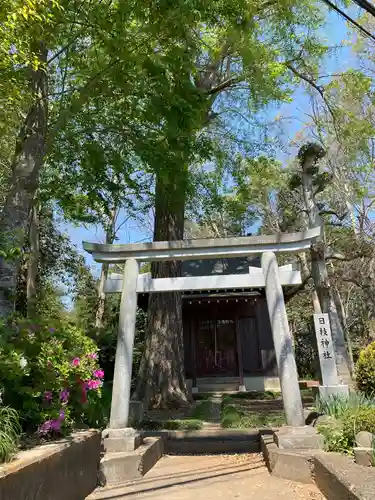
(308, 158)
(32, 268)
(314, 296)
(162, 380)
(27, 161)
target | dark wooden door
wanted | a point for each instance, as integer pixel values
(226, 347)
(216, 348)
(250, 345)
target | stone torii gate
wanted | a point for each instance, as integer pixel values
(271, 277)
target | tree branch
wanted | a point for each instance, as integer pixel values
(307, 79)
(226, 84)
(310, 81)
(342, 257)
(296, 289)
(332, 212)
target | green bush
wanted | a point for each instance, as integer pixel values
(49, 373)
(362, 419)
(231, 416)
(203, 410)
(10, 431)
(335, 437)
(365, 370)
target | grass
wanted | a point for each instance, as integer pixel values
(237, 416)
(171, 425)
(10, 432)
(259, 396)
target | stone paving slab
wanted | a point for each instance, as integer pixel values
(209, 477)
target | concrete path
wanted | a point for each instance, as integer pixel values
(226, 477)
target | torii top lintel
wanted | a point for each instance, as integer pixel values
(208, 248)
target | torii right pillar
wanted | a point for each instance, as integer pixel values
(283, 342)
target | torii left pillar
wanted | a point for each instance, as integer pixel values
(119, 437)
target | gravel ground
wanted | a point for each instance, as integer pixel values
(210, 477)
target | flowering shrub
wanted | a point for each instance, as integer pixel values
(49, 374)
(365, 370)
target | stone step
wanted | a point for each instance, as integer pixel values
(210, 441)
(218, 388)
(218, 380)
(119, 467)
(211, 446)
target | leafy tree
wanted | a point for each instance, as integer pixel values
(245, 56)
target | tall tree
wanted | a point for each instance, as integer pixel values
(249, 55)
(312, 182)
(35, 33)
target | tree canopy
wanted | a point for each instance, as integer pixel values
(116, 112)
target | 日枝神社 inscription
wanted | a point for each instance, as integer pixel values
(325, 349)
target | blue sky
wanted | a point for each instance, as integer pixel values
(335, 32)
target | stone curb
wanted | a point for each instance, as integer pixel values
(65, 469)
(337, 476)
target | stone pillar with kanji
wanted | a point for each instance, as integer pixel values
(330, 383)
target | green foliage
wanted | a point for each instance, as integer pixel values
(349, 415)
(106, 337)
(355, 421)
(365, 370)
(231, 417)
(10, 431)
(335, 438)
(49, 373)
(202, 410)
(337, 405)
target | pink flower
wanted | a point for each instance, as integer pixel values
(48, 396)
(61, 415)
(93, 355)
(93, 384)
(64, 396)
(76, 362)
(50, 425)
(56, 425)
(45, 427)
(98, 374)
